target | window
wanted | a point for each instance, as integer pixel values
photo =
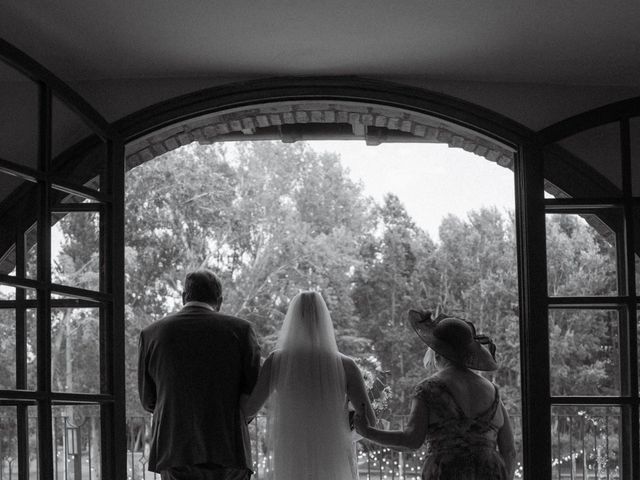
(60, 159)
(592, 324)
(56, 315)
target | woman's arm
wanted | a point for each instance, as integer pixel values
(412, 437)
(356, 390)
(251, 405)
(506, 444)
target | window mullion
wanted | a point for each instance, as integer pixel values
(112, 342)
(534, 327)
(21, 361)
(45, 434)
(629, 340)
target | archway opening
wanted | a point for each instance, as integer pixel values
(376, 227)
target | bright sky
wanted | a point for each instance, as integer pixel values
(431, 180)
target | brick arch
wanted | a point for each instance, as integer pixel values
(372, 123)
(278, 109)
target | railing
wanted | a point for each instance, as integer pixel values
(584, 448)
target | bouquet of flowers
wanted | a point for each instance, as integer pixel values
(377, 389)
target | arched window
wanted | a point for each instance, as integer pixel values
(58, 157)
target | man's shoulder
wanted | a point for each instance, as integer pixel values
(157, 325)
(200, 315)
(234, 321)
(221, 317)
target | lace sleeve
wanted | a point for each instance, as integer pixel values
(424, 392)
(419, 393)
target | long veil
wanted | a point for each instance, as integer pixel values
(307, 416)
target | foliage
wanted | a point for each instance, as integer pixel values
(396, 275)
(275, 218)
(476, 263)
(583, 342)
(270, 219)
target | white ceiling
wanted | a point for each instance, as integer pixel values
(564, 42)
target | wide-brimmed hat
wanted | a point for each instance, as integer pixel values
(455, 339)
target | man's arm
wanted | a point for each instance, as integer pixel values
(146, 385)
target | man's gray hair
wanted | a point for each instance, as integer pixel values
(202, 286)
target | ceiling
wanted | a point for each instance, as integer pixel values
(569, 42)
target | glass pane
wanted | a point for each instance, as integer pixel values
(63, 197)
(7, 348)
(8, 443)
(18, 118)
(75, 249)
(592, 158)
(634, 125)
(585, 442)
(584, 352)
(7, 292)
(10, 375)
(139, 436)
(581, 254)
(83, 165)
(18, 212)
(636, 249)
(68, 128)
(76, 440)
(31, 318)
(12, 186)
(31, 252)
(75, 350)
(32, 418)
(79, 156)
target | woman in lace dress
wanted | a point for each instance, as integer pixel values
(458, 412)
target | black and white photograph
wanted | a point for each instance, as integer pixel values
(335, 240)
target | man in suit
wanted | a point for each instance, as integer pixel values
(193, 367)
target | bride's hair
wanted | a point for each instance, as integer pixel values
(307, 325)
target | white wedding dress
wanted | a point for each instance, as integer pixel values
(308, 428)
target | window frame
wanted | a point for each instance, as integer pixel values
(626, 301)
(531, 208)
(108, 298)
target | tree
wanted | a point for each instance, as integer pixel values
(7, 348)
(477, 273)
(306, 233)
(75, 331)
(270, 218)
(583, 342)
(396, 275)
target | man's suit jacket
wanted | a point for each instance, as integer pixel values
(192, 368)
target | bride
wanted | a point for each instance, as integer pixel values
(310, 384)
